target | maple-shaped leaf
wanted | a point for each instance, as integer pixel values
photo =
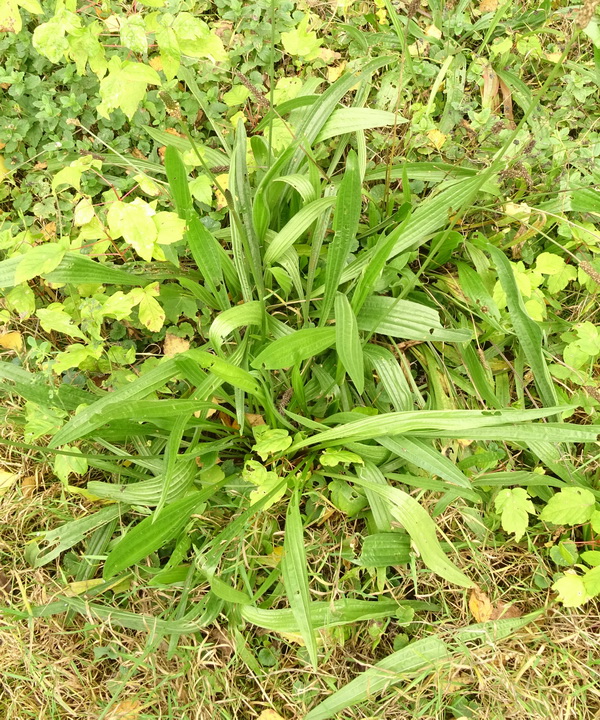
(570, 506)
(125, 86)
(515, 506)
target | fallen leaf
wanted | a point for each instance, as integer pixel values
(269, 715)
(173, 345)
(335, 71)
(156, 63)
(125, 710)
(486, 6)
(489, 90)
(11, 341)
(28, 485)
(7, 480)
(254, 420)
(483, 609)
(292, 637)
(437, 138)
(480, 605)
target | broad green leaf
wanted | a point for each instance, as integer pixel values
(331, 458)
(350, 119)
(251, 313)
(295, 348)
(74, 356)
(422, 530)
(38, 261)
(295, 577)
(64, 465)
(515, 506)
(266, 482)
(133, 33)
(390, 376)
(54, 318)
(134, 222)
(296, 227)
(571, 590)
(178, 181)
(170, 53)
(196, 39)
(455, 422)
(71, 174)
(270, 441)
(301, 41)
(152, 533)
(528, 331)
(125, 86)
(405, 319)
(322, 614)
(345, 225)
(169, 227)
(347, 342)
(385, 549)
(570, 506)
(591, 581)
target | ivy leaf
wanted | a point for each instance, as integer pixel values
(151, 313)
(301, 42)
(133, 33)
(570, 506)
(201, 189)
(170, 54)
(75, 356)
(125, 86)
(331, 458)
(54, 318)
(595, 521)
(170, 227)
(270, 441)
(571, 590)
(265, 481)
(196, 39)
(134, 221)
(10, 17)
(39, 260)
(591, 581)
(515, 506)
(64, 465)
(40, 420)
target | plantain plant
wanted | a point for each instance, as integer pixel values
(299, 396)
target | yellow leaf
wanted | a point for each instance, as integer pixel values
(11, 341)
(7, 480)
(28, 485)
(334, 72)
(269, 715)
(125, 710)
(486, 6)
(174, 344)
(292, 637)
(80, 586)
(156, 63)
(437, 138)
(480, 605)
(433, 31)
(3, 169)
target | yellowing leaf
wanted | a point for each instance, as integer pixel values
(7, 480)
(486, 6)
(174, 344)
(292, 637)
(3, 169)
(125, 710)
(571, 590)
(81, 586)
(83, 213)
(515, 506)
(480, 605)
(269, 715)
(11, 341)
(134, 221)
(125, 86)
(301, 41)
(28, 485)
(437, 138)
(570, 506)
(433, 31)
(335, 71)
(10, 18)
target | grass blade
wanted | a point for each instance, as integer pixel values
(295, 577)
(347, 342)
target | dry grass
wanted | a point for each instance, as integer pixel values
(95, 670)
